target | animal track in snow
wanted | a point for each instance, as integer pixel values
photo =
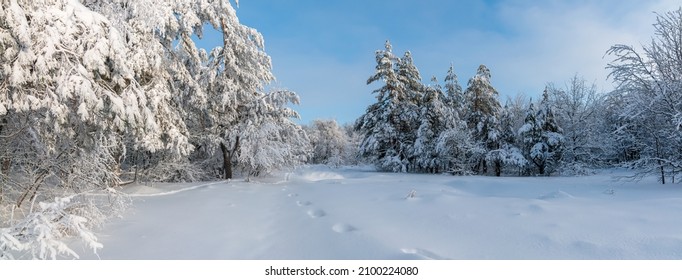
(303, 203)
(421, 253)
(343, 228)
(293, 195)
(317, 213)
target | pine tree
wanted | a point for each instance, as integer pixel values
(483, 116)
(435, 118)
(552, 134)
(508, 154)
(542, 137)
(453, 91)
(389, 125)
(531, 135)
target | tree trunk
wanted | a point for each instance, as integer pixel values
(32, 188)
(660, 162)
(227, 161)
(498, 168)
(227, 157)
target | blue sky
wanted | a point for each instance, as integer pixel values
(324, 50)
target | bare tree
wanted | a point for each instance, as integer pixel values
(650, 84)
(577, 106)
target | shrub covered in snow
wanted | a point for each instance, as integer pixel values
(41, 233)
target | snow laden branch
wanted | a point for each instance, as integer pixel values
(94, 91)
(42, 232)
(649, 88)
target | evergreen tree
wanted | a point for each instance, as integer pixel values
(453, 91)
(389, 126)
(380, 139)
(435, 116)
(531, 136)
(508, 154)
(542, 137)
(483, 117)
(552, 134)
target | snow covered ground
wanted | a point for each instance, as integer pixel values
(322, 213)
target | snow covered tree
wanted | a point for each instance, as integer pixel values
(330, 144)
(623, 146)
(85, 85)
(457, 150)
(409, 79)
(483, 117)
(453, 91)
(552, 134)
(68, 93)
(508, 153)
(353, 146)
(436, 116)
(219, 93)
(454, 147)
(268, 139)
(531, 135)
(580, 113)
(650, 85)
(160, 33)
(542, 137)
(389, 125)
(68, 78)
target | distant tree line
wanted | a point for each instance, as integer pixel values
(434, 128)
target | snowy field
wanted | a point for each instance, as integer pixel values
(322, 213)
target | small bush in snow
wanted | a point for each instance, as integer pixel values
(41, 232)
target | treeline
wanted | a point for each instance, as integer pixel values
(570, 129)
(435, 128)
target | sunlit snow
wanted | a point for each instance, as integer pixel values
(356, 213)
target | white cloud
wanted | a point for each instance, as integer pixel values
(547, 42)
(530, 44)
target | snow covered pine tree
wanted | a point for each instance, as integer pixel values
(389, 125)
(483, 118)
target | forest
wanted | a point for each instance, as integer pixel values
(97, 95)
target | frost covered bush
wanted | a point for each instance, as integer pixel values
(41, 233)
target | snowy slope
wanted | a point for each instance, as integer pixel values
(321, 213)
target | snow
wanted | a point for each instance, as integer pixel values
(356, 213)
